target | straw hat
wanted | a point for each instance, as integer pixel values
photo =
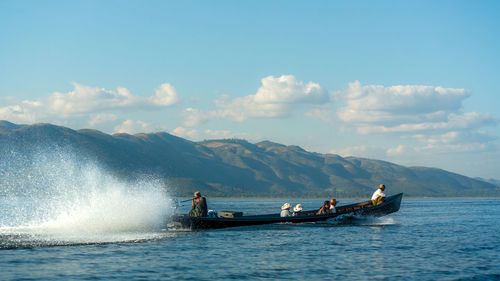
(286, 206)
(297, 208)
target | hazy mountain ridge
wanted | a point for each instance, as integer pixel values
(492, 181)
(238, 168)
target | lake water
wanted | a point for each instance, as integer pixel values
(428, 239)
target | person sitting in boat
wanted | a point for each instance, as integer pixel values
(297, 210)
(325, 209)
(379, 195)
(333, 203)
(199, 206)
(285, 210)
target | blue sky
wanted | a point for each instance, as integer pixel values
(411, 82)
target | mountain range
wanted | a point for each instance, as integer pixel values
(238, 168)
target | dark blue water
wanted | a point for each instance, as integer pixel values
(428, 239)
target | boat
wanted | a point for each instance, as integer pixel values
(365, 208)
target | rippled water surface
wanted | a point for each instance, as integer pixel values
(428, 239)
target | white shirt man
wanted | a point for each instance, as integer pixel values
(379, 195)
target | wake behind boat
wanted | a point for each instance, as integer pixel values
(365, 208)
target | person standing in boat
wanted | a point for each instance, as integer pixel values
(285, 210)
(325, 209)
(333, 203)
(199, 206)
(379, 195)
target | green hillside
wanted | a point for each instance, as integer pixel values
(239, 168)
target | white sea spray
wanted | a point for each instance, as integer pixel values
(55, 194)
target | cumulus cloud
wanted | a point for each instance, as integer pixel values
(396, 150)
(165, 95)
(133, 127)
(408, 109)
(434, 114)
(18, 114)
(377, 104)
(277, 97)
(193, 116)
(83, 101)
(465, 121)
(185, 133)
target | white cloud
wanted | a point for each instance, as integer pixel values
(277, 97)
(25, 112)
(17, 114)
(286, 90)
(86, 99)
(405, 99)
(449, 142)
(133, 127)
(193, 117)
(396, 150)
(465, 121)
(376, 104)
(408, 109)
(165, 95)
(432, 115)
(185, 133)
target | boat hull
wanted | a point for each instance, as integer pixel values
(390, 205)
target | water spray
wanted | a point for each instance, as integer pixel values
(58, 194)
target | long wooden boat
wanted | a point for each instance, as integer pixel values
(366, 208)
